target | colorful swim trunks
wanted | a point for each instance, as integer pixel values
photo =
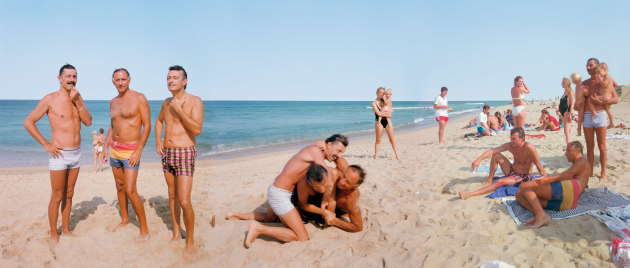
(179, 161)
(519, 178)
(564, 195)
(119, 154)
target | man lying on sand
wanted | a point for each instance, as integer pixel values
(344, 198)
(280, 191)
(557, 192)
(525, 156)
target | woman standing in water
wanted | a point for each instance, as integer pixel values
(519, 101)
(382, 107)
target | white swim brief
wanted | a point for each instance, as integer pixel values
(517, 109)
(279, 200)
(70, 159)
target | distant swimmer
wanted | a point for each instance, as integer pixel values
(66, 111)
(557, 192)
(525, 157)
(181, 119)
(519, 101)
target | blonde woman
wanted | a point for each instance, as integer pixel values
(383, 110)
(566, 107)
(519, 101)
(579, 100)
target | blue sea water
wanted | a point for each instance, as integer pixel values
(229, 126)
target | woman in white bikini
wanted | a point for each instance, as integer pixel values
(519, 101)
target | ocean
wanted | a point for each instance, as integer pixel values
(231, 128)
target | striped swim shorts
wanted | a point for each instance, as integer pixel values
(179, 161)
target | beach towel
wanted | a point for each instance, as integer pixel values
(617, 219)
(613, 136)
(485, 169)
(503, 191)
(590, 200)
(536, 135)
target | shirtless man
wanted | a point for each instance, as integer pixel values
(128, 133)
(493, 122)
(525, 157)
(346, 197)
(66, 111)
(181, 116)
(594, 93)
(557, 192)
(280, 191)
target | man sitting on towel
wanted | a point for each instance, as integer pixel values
(557, 192)
(525, 156)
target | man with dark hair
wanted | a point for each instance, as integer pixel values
(593, 93)
(482, 122)
(557, 192)
(66, 111)
(181, 117)
(280, 191)
(128, 133)
(525, 157)
(441, 112)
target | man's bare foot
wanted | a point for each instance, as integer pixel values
(252, 233)
(487, 182)
(537, 223)
(142, 238)
(67, 233)
(54, 240)
(189, 252)
(375, 157)
(462, 196)
(603, 178)
(121, 224)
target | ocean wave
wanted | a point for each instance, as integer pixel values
(474, 103)
(417, 120)
(408, 108)
(464, 111)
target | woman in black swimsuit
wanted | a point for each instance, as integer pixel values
(384, 123)
(566, 107)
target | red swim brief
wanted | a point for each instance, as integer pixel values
(443, 118)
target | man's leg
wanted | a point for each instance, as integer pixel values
(184, 187)
(66, 203)
(589, 137)
(295, 232)
(173, 204)
(119, 178)
(498, 160)
(442, 124)
(601, 143)
(131, 175)
(488, 189)
(58, 185)
(534, 199)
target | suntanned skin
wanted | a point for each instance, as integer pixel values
(181, 117)
(533, 195)
(385, 112)
(441, 123)
(517, 91)
(593, 93)
(66, 111)
(579, 104)
(346, 198)
(295, 169)
(493, 122)
(131, 124)
(525, 157)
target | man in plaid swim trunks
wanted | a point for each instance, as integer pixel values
(525, 157)
(181, 117)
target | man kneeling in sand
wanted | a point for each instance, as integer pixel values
(525, 156)
(557, 192)
(344, 200)
(280, 191)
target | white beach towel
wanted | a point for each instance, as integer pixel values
(615, 136)
(485, 169)
(590, 200)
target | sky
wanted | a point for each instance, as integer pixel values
(311, 50)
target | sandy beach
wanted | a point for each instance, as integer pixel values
(411, 212)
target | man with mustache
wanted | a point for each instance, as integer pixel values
(66, 111)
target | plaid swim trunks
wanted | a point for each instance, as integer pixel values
(179, 161)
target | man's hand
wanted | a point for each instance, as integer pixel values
(177, 105)
(329, 217)
(321, 145)
(475, 165)
(159, 147)
(53, 149)
(74, 94)
(134, 159)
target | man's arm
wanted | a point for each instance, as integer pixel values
(145, 118)
(193, 122)
(302, 193)
(356, 221)
(106, 144)
(566, 175)
(29, 125)
(534, 155)
(487, 154)
(159, 125)
(84, 115)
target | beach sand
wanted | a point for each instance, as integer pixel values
(411, 212)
